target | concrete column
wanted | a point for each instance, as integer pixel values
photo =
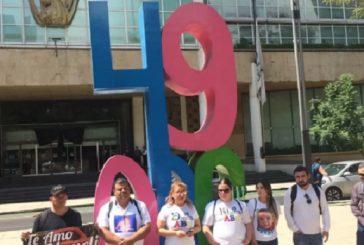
(138, 122)
(256, 122)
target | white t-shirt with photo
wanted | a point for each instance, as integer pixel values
(262, 233)
(124, 222)
(179, 218)
(228, 220)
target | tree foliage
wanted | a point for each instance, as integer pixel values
(338, 119)
(358, 4)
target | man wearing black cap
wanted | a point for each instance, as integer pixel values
(123, 220)
(58, 215)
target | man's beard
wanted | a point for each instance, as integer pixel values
(302, 184)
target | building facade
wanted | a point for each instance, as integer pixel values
(52, 123)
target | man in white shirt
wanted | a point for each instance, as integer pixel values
(123, 220)
(304, 203)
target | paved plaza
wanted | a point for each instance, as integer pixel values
(343, 224)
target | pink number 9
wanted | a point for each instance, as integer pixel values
(217, 79)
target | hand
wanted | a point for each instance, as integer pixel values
(214, 243)
(24, 235)
(246, 242)
(180, 234)
(325, 236)
(190, 233)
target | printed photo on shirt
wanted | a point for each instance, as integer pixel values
(266, 220)
(125, 223)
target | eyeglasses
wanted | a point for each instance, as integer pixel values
(308, 199)
(224, 190)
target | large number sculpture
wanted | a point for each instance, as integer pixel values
(162, 62)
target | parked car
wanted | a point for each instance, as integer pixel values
(341, 178)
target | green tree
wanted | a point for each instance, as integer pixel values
(338, 119)
(359, 4)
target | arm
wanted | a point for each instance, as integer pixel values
(138, 235)
(249, 233)
(109, 237)
(287, 212)
(196, 228)
(208, 234)
(325, 216)
(322, 171)
(355, 200)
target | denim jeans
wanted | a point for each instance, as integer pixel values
(360, 234)
(273, 242)
(307, 239)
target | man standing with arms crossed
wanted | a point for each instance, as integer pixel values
(123, 220)
(357, 205)
(304, 203)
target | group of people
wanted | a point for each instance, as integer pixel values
(124, 220)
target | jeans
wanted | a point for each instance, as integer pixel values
(360, 234)
(307, 239)
(273, 242)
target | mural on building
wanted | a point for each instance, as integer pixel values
(56, 13)
(163, 65)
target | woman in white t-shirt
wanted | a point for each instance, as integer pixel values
(226, 220)
(178, 219)
(264, 210)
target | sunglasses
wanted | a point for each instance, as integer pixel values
(308, 199)
(224, 190)
(361, 174)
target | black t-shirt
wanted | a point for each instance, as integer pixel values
(48, 220)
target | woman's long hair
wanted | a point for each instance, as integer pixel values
(272, 204)
(170, 200)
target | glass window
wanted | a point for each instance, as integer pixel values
(55, 32)
(261, 12)
(17, 3)
(80, 18)
(326, 31)
(12, 33)
(349, 13)
(132, 18)
(352, 31)
(28, 17)
(133, 36)
(325, 13)
(117, 36)
(229, 11)
(272, 12)
(311, 13)
(234, 33)
(284, 12)
(83, 3)
(245, 31)
(12, 16)
(116, 19)
(337, 13)
(170, 5)
(77, 34)
(133, 4)
(244, 11)
(281, 120)
(115, 4)
(189, 39)
(34, 34)
(339, 31)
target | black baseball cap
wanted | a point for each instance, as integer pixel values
(57, 189)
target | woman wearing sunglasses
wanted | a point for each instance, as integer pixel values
(264, 211)
(226, 220)
(178, 219)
